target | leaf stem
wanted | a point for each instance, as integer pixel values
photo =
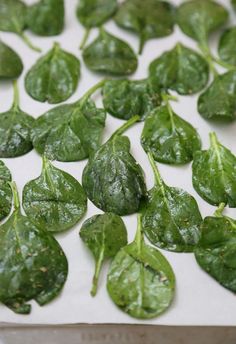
(29, 43)
(213, 139)
(16, 199)
(126, 126)
(98, 267)
(223, 64)
(139, 233)
(156, 172)
(141, 44)
(15, 104)
(219, 211)
(166, 99)
(85, 38)
(91, 91)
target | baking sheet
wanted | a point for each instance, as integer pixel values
(199, 299)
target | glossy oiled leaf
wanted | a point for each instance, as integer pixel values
(46, 17)
(5, 191)
(227, 46)
(54, 77)
(180, 69)
(12, 16)
(15, 130)
(55, 200)
(214, 174)
(104, 235)
(141, 282)
(218, 102)
(127, 98)
(149, 18)
(169, 138)
(32, 264)
(112, 179)
(216, 251)
(11, 65)
(70, 132)
(170, 217)
(108, 54)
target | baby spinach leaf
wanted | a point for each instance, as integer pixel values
(214, 174)
(168, 137)
(227, 46)
(109, 54)
(216, 249)
(141, 281)
(112, 178)
(70, 132)
(104, 235)
(15, 130)
(11, 65)
(170, 217)
(127, 98)
(55, 200)
(46, 17)
(180, 69)
(149, 19)
(218, 102)
(54, 77)
(5, 191)
(94, 13)
(233, 3)
(32, 263)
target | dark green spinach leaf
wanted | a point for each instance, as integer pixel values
(104, 235)
(70, 132)
(233, 3)
(127, 98)
(141, 281)
(149, 19)
(180, 69)
(5, 191)
(32, 263)
(108, 54)
(11, 65)
(54, 77)
(15, 130)
(227, 46)
(214, 174)
(112, 179)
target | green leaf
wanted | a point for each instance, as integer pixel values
(104, 235)
(46, 17)
(54, 77)
(55, 200)
(112, 178)
(216, 251)
(214, 174)
(108, 54)
(169, 138)
(149, 19)
(11, 65)
(127, 98)
(180, 69)
(218, 102)
(170, 217)
(15, 130)
(32, 263)
(141, 281)
(233, 3)
(5, 191)
(70, 132)
(227, 46)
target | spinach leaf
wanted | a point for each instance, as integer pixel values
(112, 178)
(180, 69)
(233, 3)
(109, 54)
(70, 132)
(11, 65)
(227, 46)
(149, 19)
(168, 137)
(15, 130)
(127, 98)
(216, 250)
(104, 235)
(46, 17)
(141, 281)
(55, 200)
(54, 77)
(218, 102)
(170, 217)
(5, 191)
(32, 263)
(214, 174)
(13, 18)
(94, 13)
